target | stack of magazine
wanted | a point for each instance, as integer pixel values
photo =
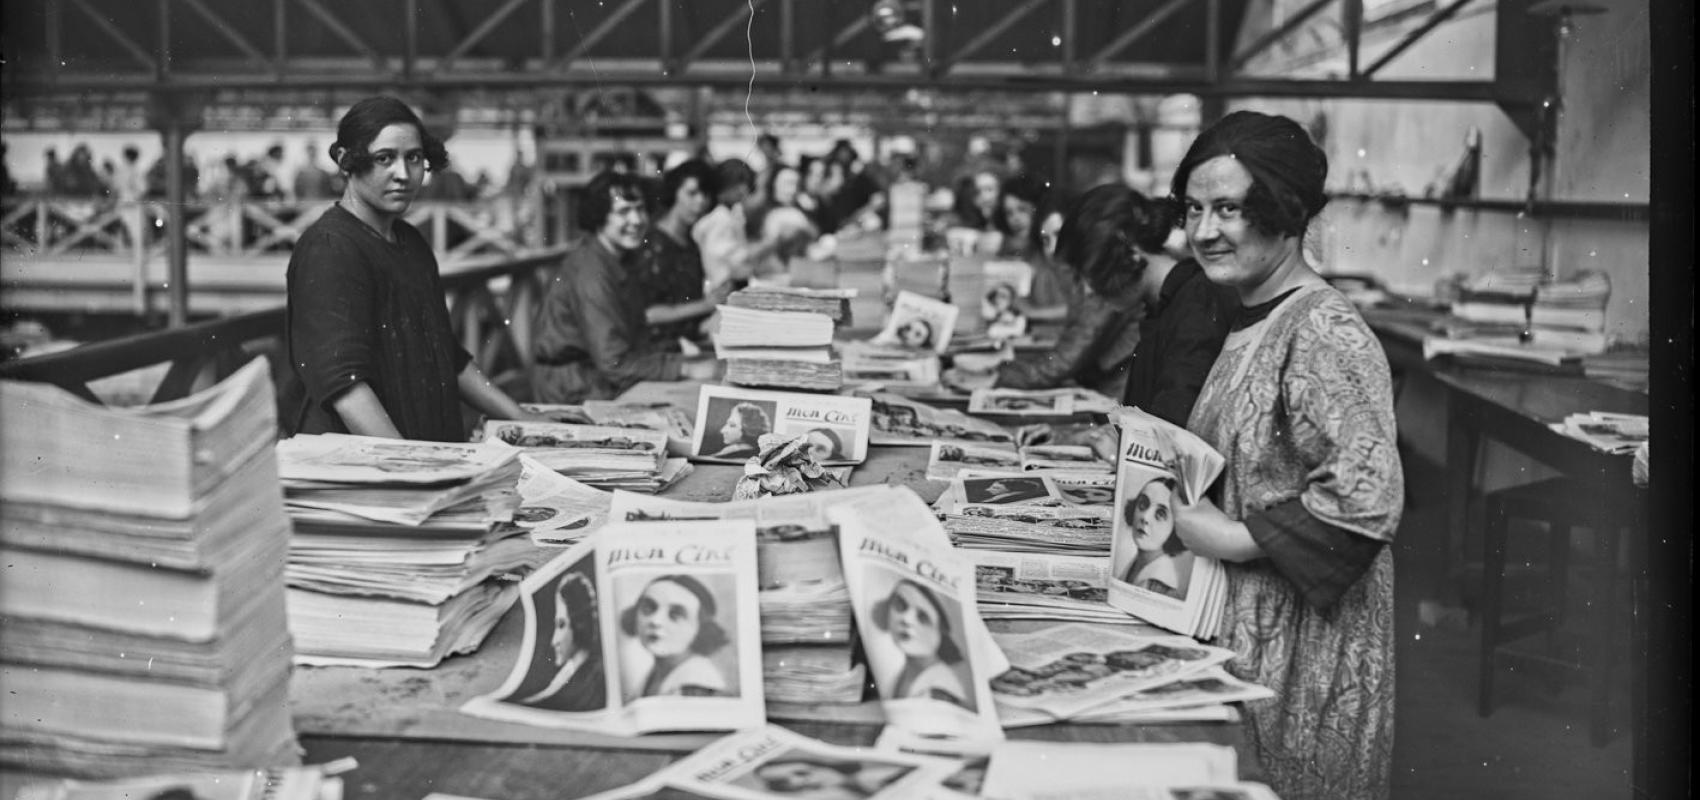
(603, 456)
(400, 548)
(833, 303)
(789, 349)
(664, 417)
(143, 597)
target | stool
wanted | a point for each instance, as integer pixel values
(1563, 504)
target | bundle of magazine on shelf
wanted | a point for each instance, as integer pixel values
(772, 762)
(602, 456)
(900, 421)
(1606, 431)
(400, 549)
(641, 627)
(1154, 576)
(913, 595)
(664, 417)
(143, 601)
(730, 420)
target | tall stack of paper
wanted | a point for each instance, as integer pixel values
(1572, 314)
(784, 349)
(399, 549)
(143, 590)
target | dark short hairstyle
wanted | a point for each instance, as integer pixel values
(710, 636)
(752, 418)
(1107, 233)
(831, 436)
(369, 117)
(1022, 187)
(948, 652)
(767, 138)
(925, 325)
(773, 177)
(707, 180)
(599, 197)
(1172, 545)
(576, 592)
(735, 172)
(1287, 169)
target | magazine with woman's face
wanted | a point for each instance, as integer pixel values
(919, 323)
(731, 422)
(775, 762)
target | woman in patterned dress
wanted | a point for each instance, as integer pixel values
(1301, 404)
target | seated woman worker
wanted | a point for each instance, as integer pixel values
(593, 340)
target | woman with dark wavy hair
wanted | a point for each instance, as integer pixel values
(366, 329)
(1300, 403)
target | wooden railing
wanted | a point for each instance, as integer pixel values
(491, 301)
(43, 226)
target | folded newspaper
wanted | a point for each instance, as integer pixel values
(642, 627)
(730, 423)
(914, 599)
(1154, 576)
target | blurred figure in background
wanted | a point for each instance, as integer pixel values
(678, 305)
(728, 255)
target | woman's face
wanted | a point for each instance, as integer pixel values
(1048, 231)
(561, 638)
(397, 171)
(624, 227)
(914, 623)
(785, 185)
(1232, 251)
(800, 776)
(668, 617)
(733, 430)
(820, 446)
(914, 334)
(986, 191)
(1018, 214)
(814, 181)
(689, 203)
(1001, 297)
(1153, 522)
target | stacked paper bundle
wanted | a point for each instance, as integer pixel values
(398, 548)
(1572, 314)
(1500, 296)
(143, 595)
(834, 303)
(604, 456)
(784, 349)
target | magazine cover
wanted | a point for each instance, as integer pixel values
(1022, 402)
(554, 508)
(919, 323)
(345, 458)
(900, 421)
(640, 628)
(947, 459)
(1154, 576)
(664, 417)
(775, 762)
(1064, 670)
(1093, 489)
(571, 449)
(914, 600)
(731, 421)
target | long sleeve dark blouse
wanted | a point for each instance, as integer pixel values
(592, 340)
(362, 309)
(1179, 340)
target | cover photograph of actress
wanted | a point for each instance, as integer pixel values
(921, 652)
(566, 671)
(676, 636)
(1159, 559)
(736, 426)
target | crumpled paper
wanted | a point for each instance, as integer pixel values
(783, 466)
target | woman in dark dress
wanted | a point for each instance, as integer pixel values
(366, 329)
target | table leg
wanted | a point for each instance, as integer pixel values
(1461, 440)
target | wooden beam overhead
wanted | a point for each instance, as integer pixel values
(991, 32)
(600, 32)
(840, 39)
(718, 32)
(136, 51)
(477, 35)
(1267, 40)
(1135, 33)
(343, 32)
(230, 34)
(1414, 36)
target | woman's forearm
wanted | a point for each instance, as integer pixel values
(363, 414)
(479, 393)
(1209, 532)
(663, 314)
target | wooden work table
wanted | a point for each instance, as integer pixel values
(403, 727)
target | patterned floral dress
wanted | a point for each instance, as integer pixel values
(1301, 405)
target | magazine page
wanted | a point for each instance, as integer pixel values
(918, 322)
(1042, 580)
(898, 420)
(949, 458)
(664, 417)
(554, 508)
(681, 614)
(1211, 687)
(914, 601)
(1063, 457)
(865, 362)
(1066, 529)
(1155, 577)
(571, 449)
(1022, 402)
(1064, 670)
(560, 677)
(1076, 770)
(1087, 489)
(730, 421)
(344, 458)
(773, 761)
(655, 787)
(977, 487)
(969, 759)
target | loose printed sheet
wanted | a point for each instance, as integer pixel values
(1066, 670)
(775, 762)
(897, 420)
